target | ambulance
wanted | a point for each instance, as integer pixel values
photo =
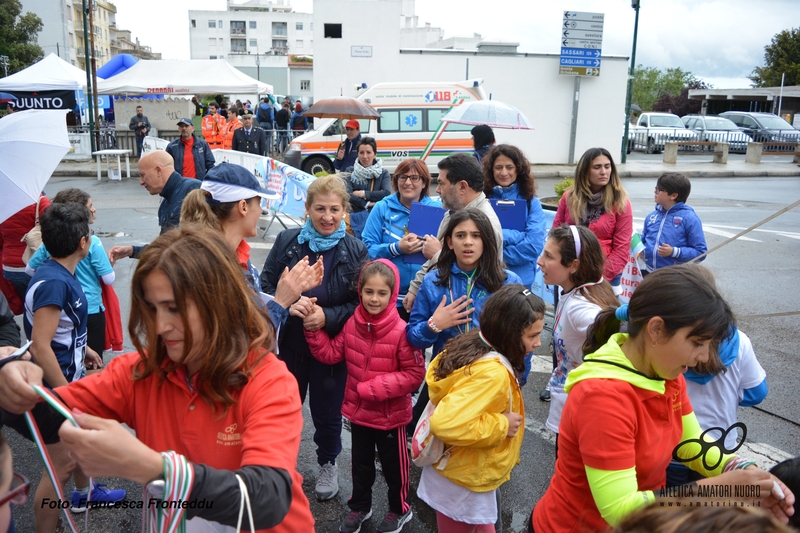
(409, 126)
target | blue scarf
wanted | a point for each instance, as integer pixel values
(728, 352)
(318, 242)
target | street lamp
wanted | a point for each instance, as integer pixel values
(635, 6)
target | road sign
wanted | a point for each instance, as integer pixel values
(581, 43)
(579, 71)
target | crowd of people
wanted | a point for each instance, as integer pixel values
(337, 314)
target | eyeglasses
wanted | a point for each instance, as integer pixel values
(20, 488)
(412, 179)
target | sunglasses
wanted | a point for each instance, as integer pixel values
(18, 495)
(413, 179)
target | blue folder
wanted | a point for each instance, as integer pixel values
(424, 220)
(513, 214)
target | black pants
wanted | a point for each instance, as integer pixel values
(96, 332)
(325, 386)
(395, 463)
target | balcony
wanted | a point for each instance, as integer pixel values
(238, 31)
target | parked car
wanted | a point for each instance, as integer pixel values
(653, 130)
(763, 127)
(712, 128)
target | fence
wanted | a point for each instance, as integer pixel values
(114, 139)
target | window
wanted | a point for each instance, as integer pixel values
(434, 118)
(212, 23)
(212, 57)
(280, 43)
(237, 27)
(298, 44)
(253, 25)
(212, 42)
(279, 28)
(401, 120)
(253, 43)
(194, 23)
(220, 24)
(238, 46)
(305, 85)
(333, 31)
(311, 26)
(298, 26)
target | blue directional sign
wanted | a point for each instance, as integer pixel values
(581, 43)
(579, 62)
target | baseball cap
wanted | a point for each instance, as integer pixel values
(228, 182)
(353, 124)
(185, 121)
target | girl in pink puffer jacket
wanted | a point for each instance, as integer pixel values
(383, 369)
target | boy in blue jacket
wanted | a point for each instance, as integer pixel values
(673, 233)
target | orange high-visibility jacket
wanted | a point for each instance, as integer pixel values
(230, 127)
(214, 130)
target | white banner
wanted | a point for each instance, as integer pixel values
(153, 143)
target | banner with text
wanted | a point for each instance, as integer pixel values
(291, 183)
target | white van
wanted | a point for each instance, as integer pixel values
(409, 126)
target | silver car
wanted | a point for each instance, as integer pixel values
(711, 128)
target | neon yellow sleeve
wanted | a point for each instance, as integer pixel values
(692, 430)
(616, 493)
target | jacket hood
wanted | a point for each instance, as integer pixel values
(609, 362)
(675, 209)
(387, 315)
(438, 389)
(499, 191)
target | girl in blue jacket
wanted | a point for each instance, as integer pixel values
(469, 270)
(386, 234)
(507, 176)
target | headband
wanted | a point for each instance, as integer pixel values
(577, 237)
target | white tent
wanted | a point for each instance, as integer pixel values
(50, 74)
(175, 77)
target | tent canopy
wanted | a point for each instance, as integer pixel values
(187, 76)
(50, 74)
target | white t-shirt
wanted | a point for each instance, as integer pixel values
(455, 501)
(715, 404)
(574, 316)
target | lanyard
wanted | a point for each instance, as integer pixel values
(562, 303)
(471, 280)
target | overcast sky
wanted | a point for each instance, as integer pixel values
(719, 41)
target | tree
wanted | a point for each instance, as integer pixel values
(18, 36)
(681, 104)
(780, 57)
(650, 83)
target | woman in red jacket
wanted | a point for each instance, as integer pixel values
(383, 369)
(11, 232)
(599, 201)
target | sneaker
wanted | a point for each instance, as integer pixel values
(327, 482)
(545, 394)
(100, 495)
(352, 523)
(392, 523)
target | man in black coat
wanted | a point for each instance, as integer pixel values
(249, 138)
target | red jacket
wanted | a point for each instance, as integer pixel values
(383, 369)
(13, 229)
(613, 230)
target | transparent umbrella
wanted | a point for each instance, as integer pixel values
(489, 112)
(32, 144)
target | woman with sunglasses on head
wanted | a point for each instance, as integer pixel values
(386, 232)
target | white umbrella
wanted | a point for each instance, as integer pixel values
(489, 112)
(32, 144)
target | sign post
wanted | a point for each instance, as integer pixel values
(581, 51)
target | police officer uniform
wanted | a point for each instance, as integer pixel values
(251, 142)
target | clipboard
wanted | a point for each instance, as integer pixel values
(512, 214)
(424, 220)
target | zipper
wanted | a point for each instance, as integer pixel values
(658, 238)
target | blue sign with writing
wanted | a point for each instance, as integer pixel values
(580, 52)
(579, 62)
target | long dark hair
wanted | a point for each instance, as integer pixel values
(490, 266)
(505, 316)
(615, 197)
(590, 264)
(526, 184)
(681, 295)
